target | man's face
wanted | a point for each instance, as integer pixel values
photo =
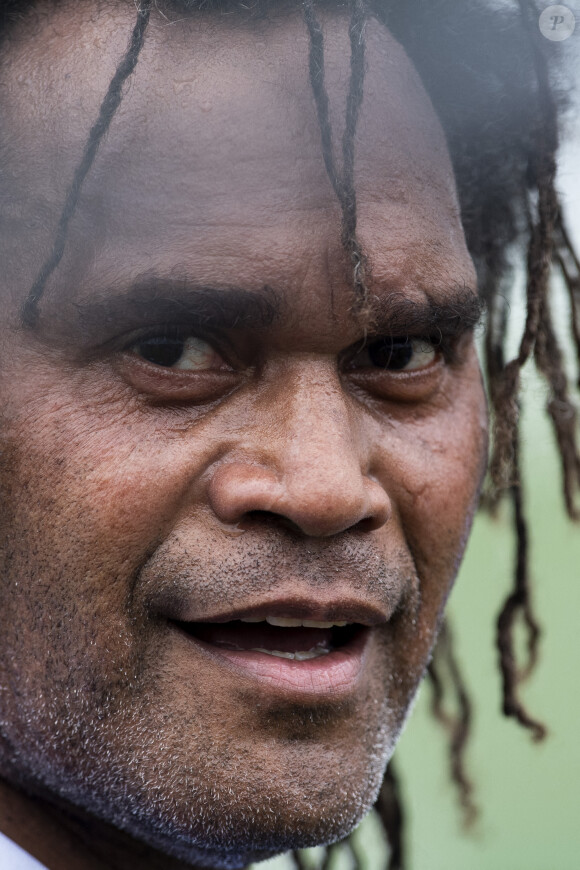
(201, 432)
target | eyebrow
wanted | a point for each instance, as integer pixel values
(155, 300)
(152, 300)
(457, 311)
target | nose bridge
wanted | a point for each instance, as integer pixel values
(305, 458)
(321, 445)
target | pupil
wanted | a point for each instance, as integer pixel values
(162, 351)
(391, 353)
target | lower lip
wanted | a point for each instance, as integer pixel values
(336, 673)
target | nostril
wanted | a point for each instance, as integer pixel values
(238, 490)
(300, 498)
(367, 524)
(269, 518)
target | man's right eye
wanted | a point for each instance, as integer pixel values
(172, 365)
(181, 353)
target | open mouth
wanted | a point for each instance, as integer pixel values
(296, 656)
(294, 639)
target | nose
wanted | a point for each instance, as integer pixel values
(305, 461)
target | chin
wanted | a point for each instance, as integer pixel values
(242, 829)
(261, 844)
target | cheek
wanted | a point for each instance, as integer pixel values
(96, 471)
(437, 467)
(86, 498)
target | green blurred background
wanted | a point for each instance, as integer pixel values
(529, 794)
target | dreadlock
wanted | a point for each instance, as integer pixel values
(539, 340)
(457, 726)
(506, 186)
(107, 111)
(342, 179)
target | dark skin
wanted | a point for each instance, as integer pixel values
(277, 466)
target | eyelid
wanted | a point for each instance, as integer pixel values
(165, 330)
(180, 332)
(436, 342)
(227, 355)
(171, 384)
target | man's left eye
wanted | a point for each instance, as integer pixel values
(395, 354)
(179, 353)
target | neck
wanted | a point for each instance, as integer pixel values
(63, 841)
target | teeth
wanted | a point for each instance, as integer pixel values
(312, 623)
(275, 652)
(287, 622)
(283, 622)
(299, 656)
(310, 654)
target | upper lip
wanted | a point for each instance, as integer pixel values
(350, 611)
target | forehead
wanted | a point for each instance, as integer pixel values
(217, 144)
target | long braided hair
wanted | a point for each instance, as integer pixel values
(505, 172)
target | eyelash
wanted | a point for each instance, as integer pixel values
(441, 346)
(173, 333)
(375, 345)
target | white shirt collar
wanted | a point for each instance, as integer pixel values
(13, 857)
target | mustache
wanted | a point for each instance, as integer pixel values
(244, 569)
